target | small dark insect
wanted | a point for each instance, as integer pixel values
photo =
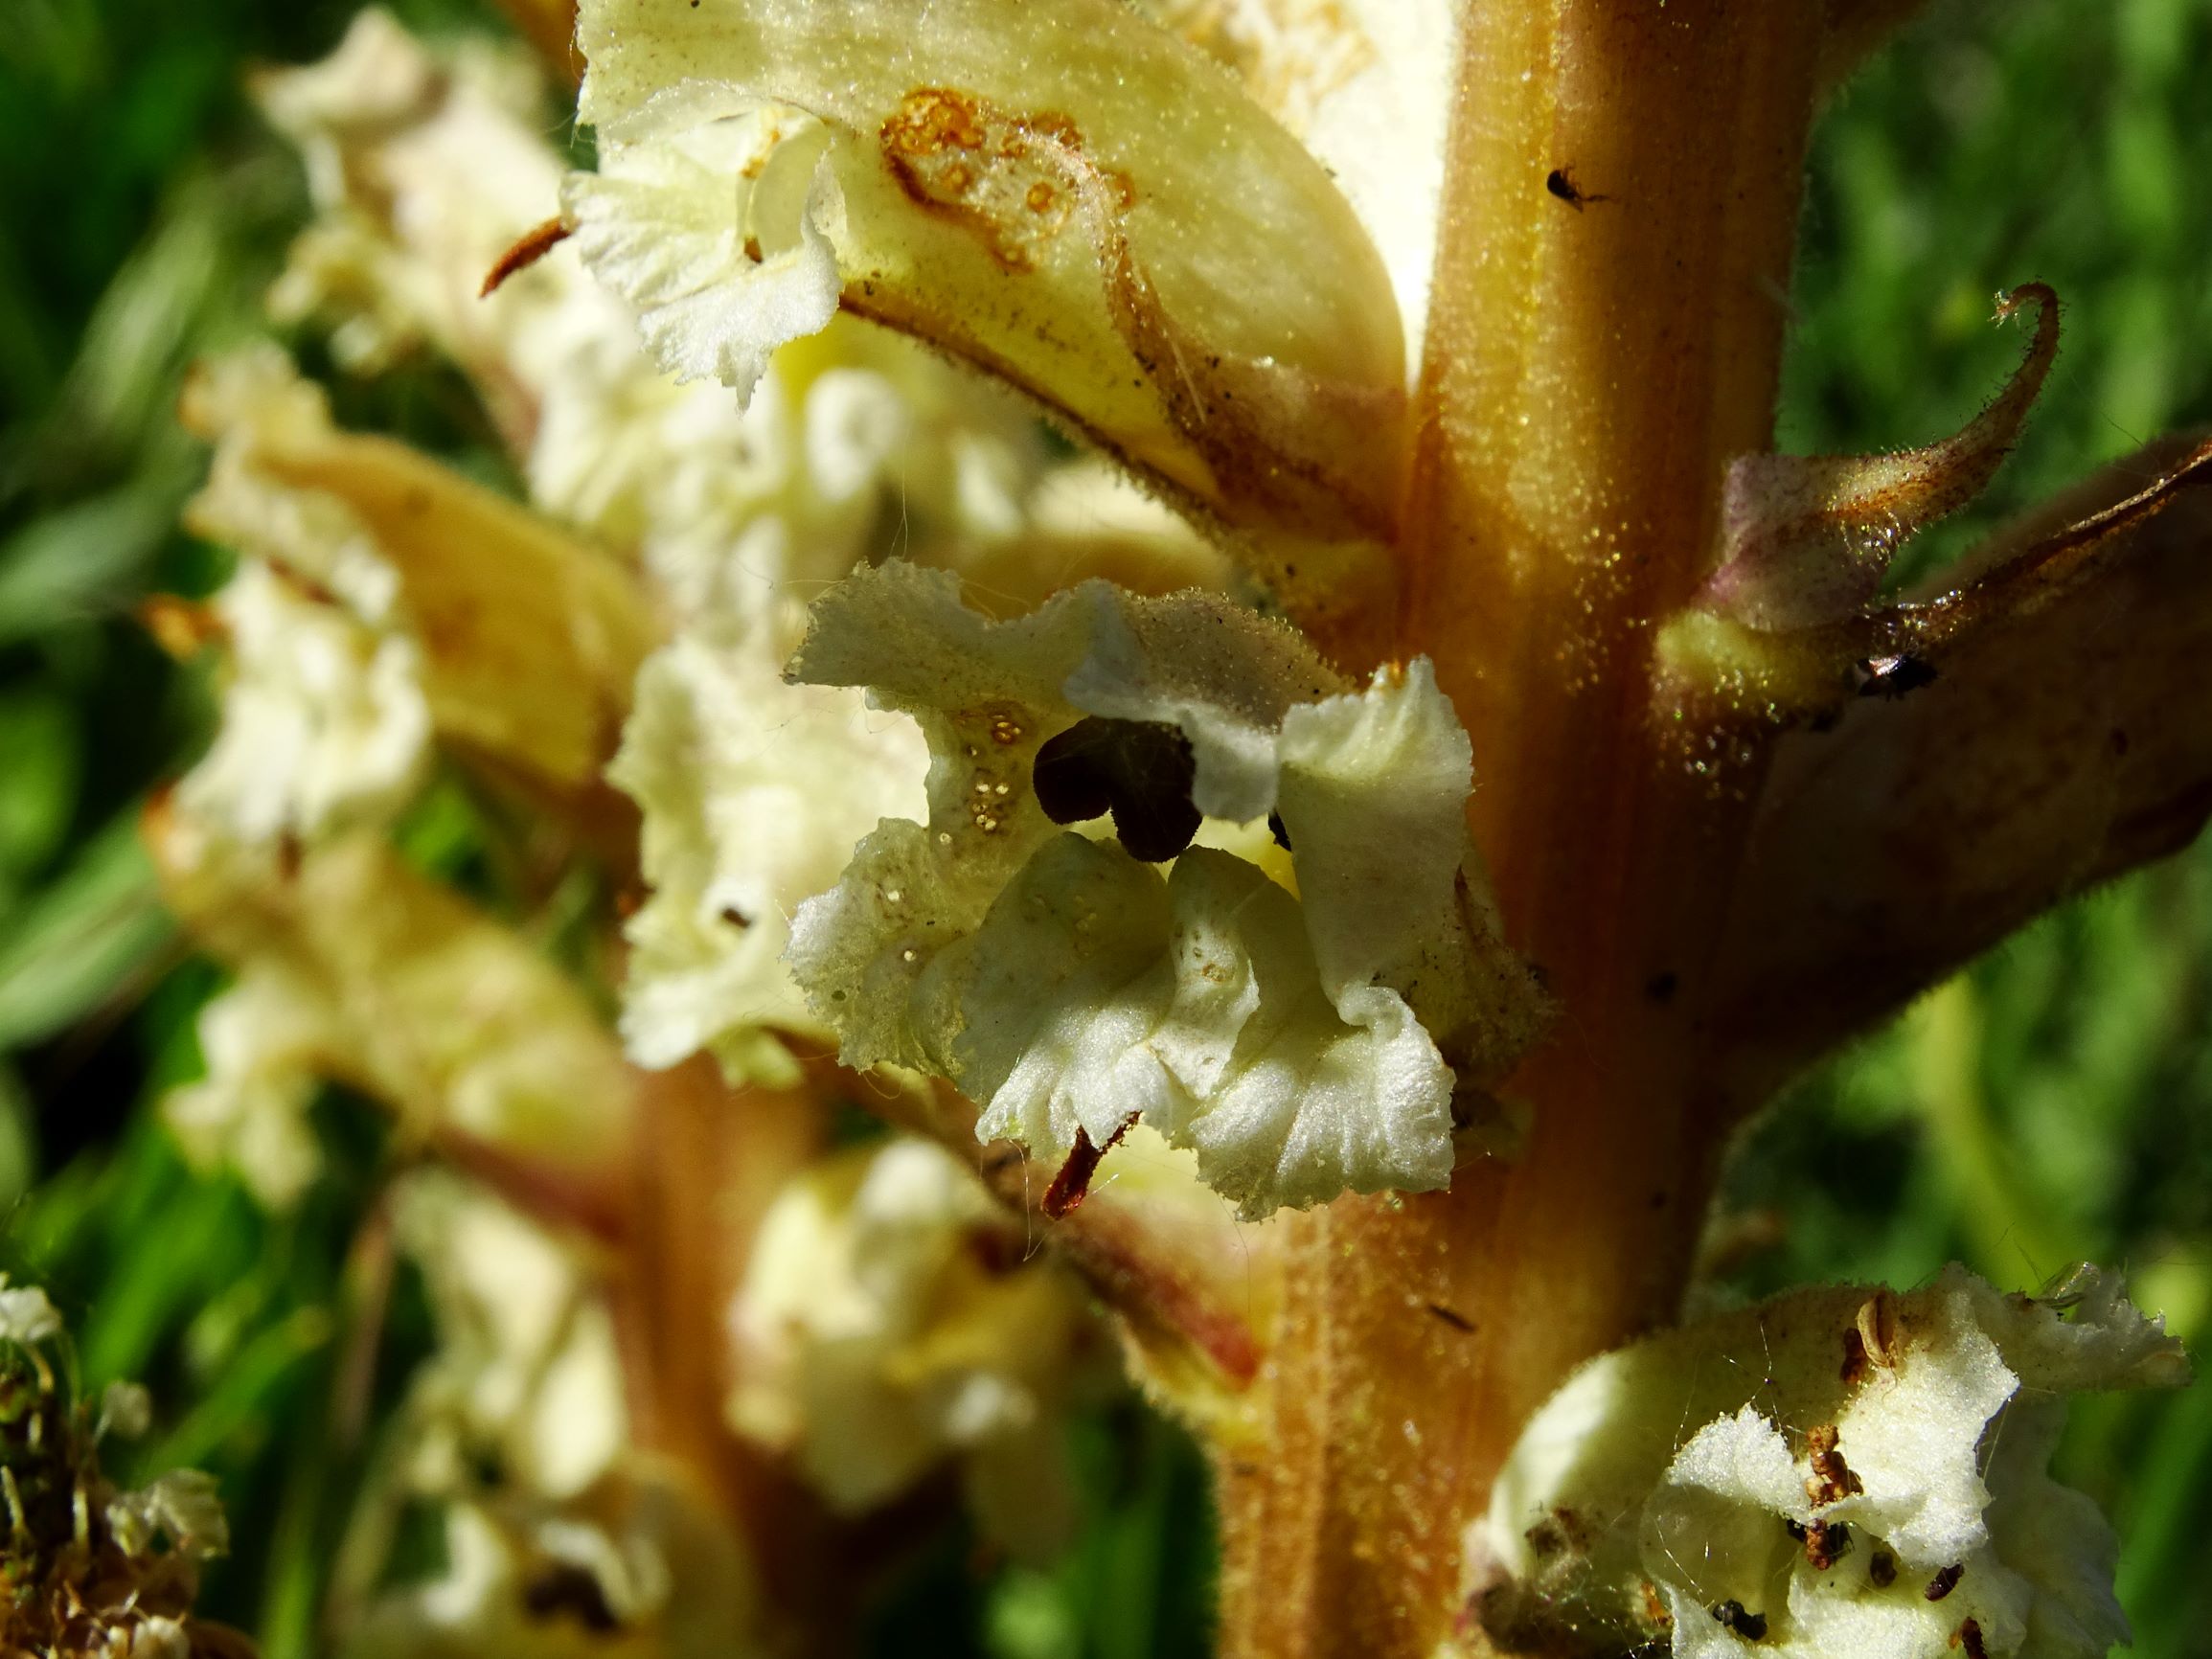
(1072, 1185)
(1944, 1582)
(1562, 184)
(1452, 1317)
(1969, 1636)
(1280, 830)
(568, 1591)
(1891, 676)
(1137, 770)
(534, 245)
(1751, 1626)
(1882, 1569)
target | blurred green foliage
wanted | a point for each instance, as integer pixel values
(2054, 1103)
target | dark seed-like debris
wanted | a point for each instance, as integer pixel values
(1751, 1626)
(1139, 771)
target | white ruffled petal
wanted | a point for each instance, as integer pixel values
(669, 224)
(875, 1340)
(1067, 987)
(753, 795)
(266, 1042)
(325, 722)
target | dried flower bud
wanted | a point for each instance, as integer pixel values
(92, 1571)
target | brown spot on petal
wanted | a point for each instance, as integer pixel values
(1013, 181)
(1855, 1364)
(1826, 1542)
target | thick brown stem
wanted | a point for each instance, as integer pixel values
(707, 1164)
(1606, 332)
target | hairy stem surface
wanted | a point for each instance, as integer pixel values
(1606, 327)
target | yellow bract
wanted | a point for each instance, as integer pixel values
(402, 989)
(529, 638)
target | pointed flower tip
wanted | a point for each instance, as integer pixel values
(1806, 539)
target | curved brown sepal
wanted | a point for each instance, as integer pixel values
(2059, 734)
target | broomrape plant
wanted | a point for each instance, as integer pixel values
(1329, 839)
